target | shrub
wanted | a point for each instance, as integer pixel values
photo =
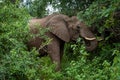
(16, 63)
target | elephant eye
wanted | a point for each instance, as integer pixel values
(78, 27)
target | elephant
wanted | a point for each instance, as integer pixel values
(63, 29)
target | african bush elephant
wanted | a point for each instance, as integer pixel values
(62, 29)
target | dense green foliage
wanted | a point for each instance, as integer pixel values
(37, 8)
(17, 63)
(68, 7)
(71, 7)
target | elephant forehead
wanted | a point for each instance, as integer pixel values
(76, 22)
(87, 33)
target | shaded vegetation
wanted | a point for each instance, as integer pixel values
(17, 63)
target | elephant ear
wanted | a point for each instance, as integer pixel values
(59, 28)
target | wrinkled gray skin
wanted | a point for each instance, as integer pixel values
(62, 29)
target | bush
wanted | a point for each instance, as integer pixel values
(16, 63)
(103, 65)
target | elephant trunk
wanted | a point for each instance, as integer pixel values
(89, 38)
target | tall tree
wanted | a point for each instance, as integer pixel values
(37, 7)
(68, 7)
(71, 7)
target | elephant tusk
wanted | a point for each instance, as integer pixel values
(90, 38)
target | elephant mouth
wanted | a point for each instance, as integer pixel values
(87, 42)
(90, 43)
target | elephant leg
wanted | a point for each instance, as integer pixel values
(54, 52)
(61, 52)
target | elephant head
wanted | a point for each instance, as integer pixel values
(69, 29)
(78, 28)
